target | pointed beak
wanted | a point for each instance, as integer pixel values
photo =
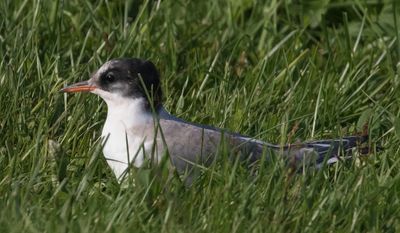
(79, 87)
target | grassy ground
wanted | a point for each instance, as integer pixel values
(274, 70)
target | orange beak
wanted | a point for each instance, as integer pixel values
(79, 87)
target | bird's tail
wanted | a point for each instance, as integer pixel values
(329, 151)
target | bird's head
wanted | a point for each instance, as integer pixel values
(121, 79)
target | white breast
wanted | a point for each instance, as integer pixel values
(121, 147)
(128, 135)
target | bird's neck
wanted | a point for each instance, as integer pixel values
(129, 112)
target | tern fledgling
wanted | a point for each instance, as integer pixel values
(139, 128)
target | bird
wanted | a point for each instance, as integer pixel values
(138, 128)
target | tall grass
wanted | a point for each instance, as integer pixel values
(269, 69)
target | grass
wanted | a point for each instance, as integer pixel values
(256, 67)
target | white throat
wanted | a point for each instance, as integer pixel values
(128, 132)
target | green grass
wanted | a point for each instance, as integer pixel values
(262, 68)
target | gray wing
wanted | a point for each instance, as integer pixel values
(193, 145)
(190, 145)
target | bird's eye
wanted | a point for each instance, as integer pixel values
(109, 77)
